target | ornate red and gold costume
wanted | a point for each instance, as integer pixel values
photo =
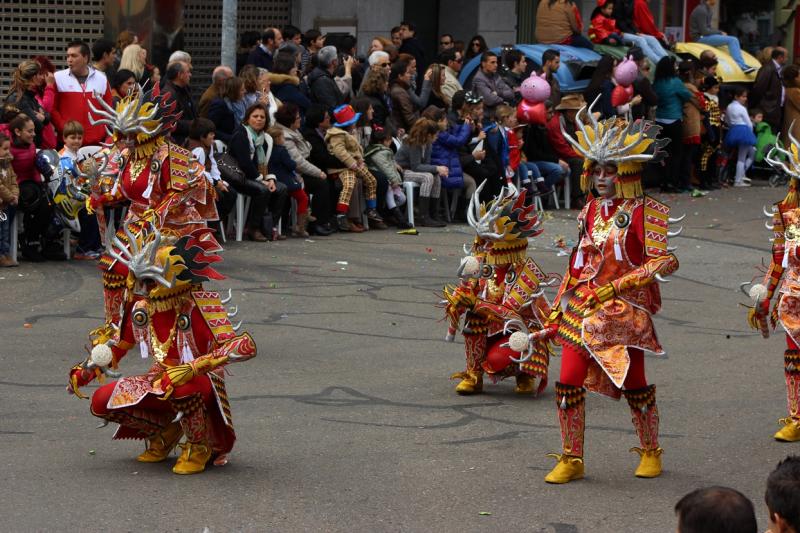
(603, 309)
(499, 285)
(186, 330)
(783, 277)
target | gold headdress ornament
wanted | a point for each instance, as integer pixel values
(504, 224)
(791, 166)
(623, 142)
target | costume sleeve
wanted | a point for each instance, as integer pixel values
(773, 277)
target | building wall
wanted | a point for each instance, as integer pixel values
(497, 21)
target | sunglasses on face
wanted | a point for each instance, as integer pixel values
(384, 65)
(445, 43)
(476, 44)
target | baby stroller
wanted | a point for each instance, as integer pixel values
(726, 161)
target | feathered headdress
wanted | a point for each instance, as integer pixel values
(626, 143)
(504, 224)
(791, 166)
(142, 113)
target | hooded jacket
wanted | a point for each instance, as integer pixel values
(445, 153)
(345, 148)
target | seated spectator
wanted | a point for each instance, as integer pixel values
(265, 89)
(644, 21)
(318, 122)
(26, 82)
(123, 82)
(791, 110)
(283, 166)
(490, 86)
(414, 157)
(375, 88)
(363, 130)
(603, 28)
(701, 31)
(631, 35)
(380, 160)
(223, 111)
(315, 180)
(445, 152)
(285, 83)
(559, 120)
(9, 198)
(420, 100)
(715, 510)
(201, 142)
(252, 94)
(344, 146)
(477, 46)
(559, 22)
(453, 61)
(783, 496)
(515, 73)
(215, 90)
(251, 147)
(404, 113)
(321, 85)
(437, 97)
(39, 242)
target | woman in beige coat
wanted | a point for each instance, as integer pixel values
(791, 108)
(559, 22)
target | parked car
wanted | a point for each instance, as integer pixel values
(727, 69)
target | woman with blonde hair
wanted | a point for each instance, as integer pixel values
(437, 97)
(134, 58)
(27, 80)
(414, 157)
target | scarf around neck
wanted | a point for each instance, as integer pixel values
(257, 144)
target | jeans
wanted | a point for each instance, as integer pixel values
(576, 39)
(551, 172)
(726, 40)
(648, 44)
(5, 229)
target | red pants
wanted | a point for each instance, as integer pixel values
(301, 198)
(199, 384)
(575, 366)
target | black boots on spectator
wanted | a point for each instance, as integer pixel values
(398, 218)
(427, 212)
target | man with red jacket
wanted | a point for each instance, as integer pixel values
(75, 87)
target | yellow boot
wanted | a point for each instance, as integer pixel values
(649, 462)
(193, 459)
(471, 382)
(160, 446)
(790, 432)
(525, 384)
(568, 468)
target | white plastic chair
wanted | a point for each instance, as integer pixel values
(408, 187)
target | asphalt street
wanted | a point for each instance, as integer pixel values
(347, 420)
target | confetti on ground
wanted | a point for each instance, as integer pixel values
(91, 452)
(341, 262)
(485, 513)
(26, 325)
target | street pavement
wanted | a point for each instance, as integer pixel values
(347, 421)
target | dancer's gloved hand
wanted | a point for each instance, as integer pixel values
(79, 377)
(596, 298)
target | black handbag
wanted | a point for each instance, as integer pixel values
(229, 169)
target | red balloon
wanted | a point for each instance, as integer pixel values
(621, 95)
(528, 113)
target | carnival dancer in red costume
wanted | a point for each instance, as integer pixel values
(609, 292)
(164, 184)
(186, 329)
(785, 265)
(499, 284)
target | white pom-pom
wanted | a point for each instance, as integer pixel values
(518, 341)
(758, 292)
(102, 355)
(471, 266)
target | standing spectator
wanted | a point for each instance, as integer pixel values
(769, 94)
(490, 86)
(180, 55)
(46, 96)
(446, 42)
(76, 86)
(321, 85)
(179, 76)
(712, 136)
(783, 496)
(247, 41)
(672, 94)
(315, 180)
(134, 58)
(411, 45)
(201, 143)
(551, 61)
(215, 90)
(453, 61)
(559, 22)
(285, 83)
(740, 135)
(123, 82)
(26, 81)
(380, 44)
(475, 160)
(293, 34)
(515, 72)
(642, 86)
(251, 147)
(223, 110)
(376, 89)
(397, 36)
(103, 56)
(414, 156)
(252, 94)
(318, 122)
(708, 62)
(347, 50)
(379, 60)
(9, 198)
(313, 41)
(262, 55)
(791, 112)
(631, 35)
(477, 46)
(602, 85)
(124, 38)
(701, 30)
(716, 510)
(692, 126)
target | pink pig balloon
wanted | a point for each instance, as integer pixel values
(531, 113)
(625, 73)
(535, 89)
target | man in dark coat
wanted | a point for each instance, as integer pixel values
(263, 54)
(411, 45)
(178, 75)
(321, 85)
(768, 93)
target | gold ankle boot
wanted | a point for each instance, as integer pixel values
(790, 432)
(649, 462)
(160, 446)
(193, 459)
(525, 384)
(568, 468)
(471, 382)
